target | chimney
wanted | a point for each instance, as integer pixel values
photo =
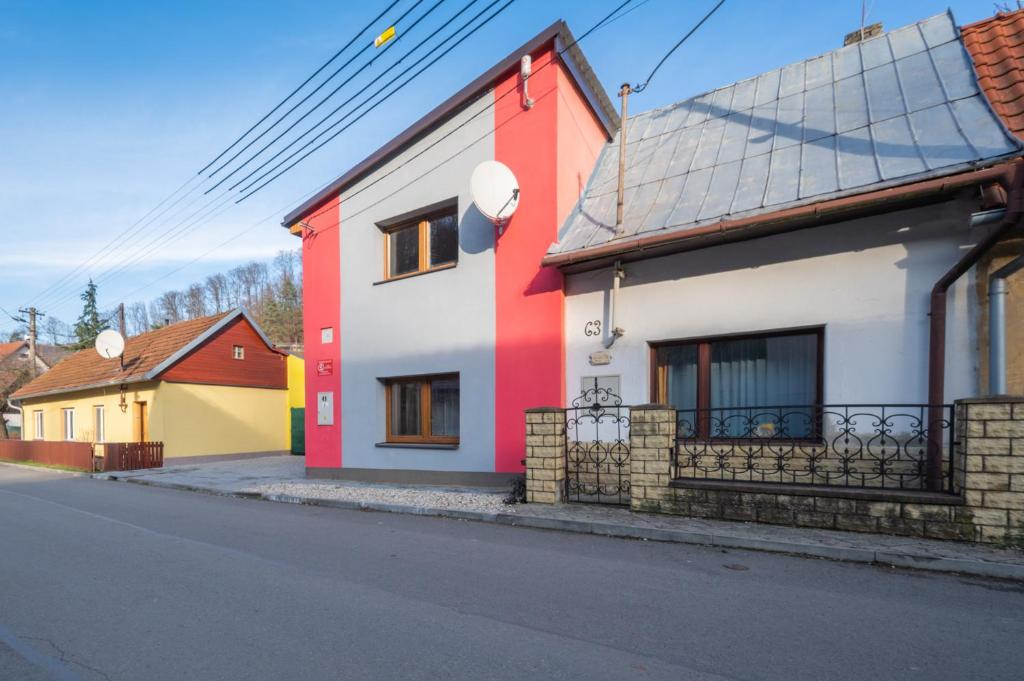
(863, 34)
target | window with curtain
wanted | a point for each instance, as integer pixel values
(753, 386)
(423, 409)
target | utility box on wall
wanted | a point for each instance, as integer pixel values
(325, 409)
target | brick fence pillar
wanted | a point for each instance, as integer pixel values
(652, 435)
(545, 455)
(988, 468)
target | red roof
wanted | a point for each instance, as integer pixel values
(8, 348)
(997, 47)
(142, 354)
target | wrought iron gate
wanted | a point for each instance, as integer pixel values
(597, 448)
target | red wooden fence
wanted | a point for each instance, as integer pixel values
(69, 454)
(128, 456)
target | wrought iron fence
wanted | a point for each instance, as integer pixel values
(872, 446)
(597, 448)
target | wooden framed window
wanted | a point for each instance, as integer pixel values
(424, 244)
(69, 423)
(38, 422)
(755, 385)
(422, 409)
(238, 351)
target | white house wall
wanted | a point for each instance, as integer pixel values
(438, 322)
(866, 281)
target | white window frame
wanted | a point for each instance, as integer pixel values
(68, 415)
(99, 419)
(238, 351)
(37, 424)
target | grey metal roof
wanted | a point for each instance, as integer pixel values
(895, 109)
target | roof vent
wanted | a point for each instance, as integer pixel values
(863, 34)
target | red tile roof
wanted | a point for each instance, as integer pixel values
(997, 47)
(141, 354)
(8, 348)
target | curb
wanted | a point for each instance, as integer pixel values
(897, 559)
(29, 467)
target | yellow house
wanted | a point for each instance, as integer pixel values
(204, 387)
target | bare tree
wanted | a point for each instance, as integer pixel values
(171, 305)
(217, 292)
(137, 317)
(57, 332)
(195, 301)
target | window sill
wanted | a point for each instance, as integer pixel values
(410, 275)
(416, 445)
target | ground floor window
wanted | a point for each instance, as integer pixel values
(69, 423)
(100, 426)
(38, 423)
(742, 386)
(423, 409)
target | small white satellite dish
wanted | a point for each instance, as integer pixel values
(495, 191)
(109, 344)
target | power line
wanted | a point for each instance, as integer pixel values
(605, 21)
(324, 99)
(258, 137)
(304, 84)
(121, 240)
(397, 63)
(378, 102)
(643, 86)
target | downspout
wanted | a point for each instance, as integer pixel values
(614, 331)
(937, 331)
(997, 325)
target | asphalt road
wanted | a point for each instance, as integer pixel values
(104, 580)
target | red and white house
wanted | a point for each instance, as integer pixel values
(427, 333)
(781, 239)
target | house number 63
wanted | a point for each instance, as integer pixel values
(592, 328)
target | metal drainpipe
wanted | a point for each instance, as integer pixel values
(997, 325)
(937, 324)
(613, 331)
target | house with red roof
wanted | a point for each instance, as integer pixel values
(818, 234)
(16, 369)
(210, 386)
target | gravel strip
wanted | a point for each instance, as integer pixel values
(484, 502)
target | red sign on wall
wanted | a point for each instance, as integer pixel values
(325, 367)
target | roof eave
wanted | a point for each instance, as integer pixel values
(558, 30)
(825, 212)
(78, 388)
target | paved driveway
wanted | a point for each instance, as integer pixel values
(109, 581)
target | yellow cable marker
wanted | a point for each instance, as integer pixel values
(384, 37)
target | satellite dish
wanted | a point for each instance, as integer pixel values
(495, 191)
(109, 344)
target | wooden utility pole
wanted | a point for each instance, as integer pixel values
(624, 94)
(120, 321)
(32, 334)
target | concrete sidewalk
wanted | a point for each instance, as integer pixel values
(282, 479)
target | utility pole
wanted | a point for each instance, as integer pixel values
(32, 333)
(624, 94)
(120, 321)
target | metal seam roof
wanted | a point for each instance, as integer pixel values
(895, 109)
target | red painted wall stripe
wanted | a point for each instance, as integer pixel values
(321, 294)
(529, 302)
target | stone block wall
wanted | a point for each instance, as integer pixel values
(987, 503)
(545, 455)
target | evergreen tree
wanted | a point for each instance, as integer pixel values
(89, 323)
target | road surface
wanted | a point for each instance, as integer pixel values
(112, 581)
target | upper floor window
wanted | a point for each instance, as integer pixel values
(426, 243)
(238, 352)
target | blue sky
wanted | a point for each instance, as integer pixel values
(110, 106)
